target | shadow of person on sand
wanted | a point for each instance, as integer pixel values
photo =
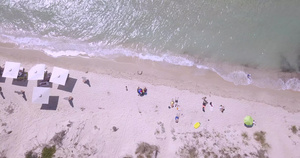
(70, 99)
(86, 81)
(1, 93)
(23, 94)
(71, 103)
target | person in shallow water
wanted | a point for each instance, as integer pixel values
(249, 76)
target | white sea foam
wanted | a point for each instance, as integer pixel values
(56, 54)
(204, 67)
(237, 77)
(177, 60)
(293, 84)
(96, 49)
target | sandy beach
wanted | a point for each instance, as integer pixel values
(106, 120)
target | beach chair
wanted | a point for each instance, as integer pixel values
(1, 70)
(47, 76)
(45, 82)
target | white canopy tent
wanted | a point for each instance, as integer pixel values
(37, 72)
(59, 75)
(11, 69)
(40, 95)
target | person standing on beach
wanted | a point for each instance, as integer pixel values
(203, 107)
(204, 104)
(172, 103)
(176, 101)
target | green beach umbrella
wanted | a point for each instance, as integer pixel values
(248, 120)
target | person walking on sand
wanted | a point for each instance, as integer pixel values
(222, 108)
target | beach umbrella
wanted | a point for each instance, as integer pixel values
(197, 125)
(41, 95)
(59, 75)
(11, 69)
(37, 72)
(248, 121)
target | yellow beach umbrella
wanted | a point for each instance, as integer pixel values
(196, 125)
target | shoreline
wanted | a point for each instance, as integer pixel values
(285, 77)
(158, 73)
(89, 124)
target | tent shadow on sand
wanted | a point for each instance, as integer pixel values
(20, 83)
(248, 126)
(52, 105)
(2, 79)
(69, 86)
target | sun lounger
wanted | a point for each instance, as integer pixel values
(1, 70)
(44, 83)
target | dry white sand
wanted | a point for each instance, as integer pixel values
(88, 126)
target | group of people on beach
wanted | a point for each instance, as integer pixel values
(141, 91)
(205, 102)
(174, 103)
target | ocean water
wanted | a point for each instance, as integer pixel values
(233, 38)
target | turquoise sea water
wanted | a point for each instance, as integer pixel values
(221, 35)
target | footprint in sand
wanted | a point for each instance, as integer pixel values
(160, 131)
